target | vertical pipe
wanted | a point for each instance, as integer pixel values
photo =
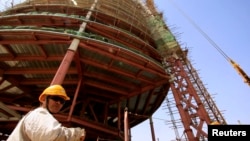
(64, 66)
(130, 135)
(126, 124)
(152, 128)
(128, 127)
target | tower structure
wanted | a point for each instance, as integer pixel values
(116, 59)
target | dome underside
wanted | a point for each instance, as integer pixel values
(115, 66)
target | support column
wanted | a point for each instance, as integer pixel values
(126, 124)
(64, 66)
(152, 128)
(192, 112)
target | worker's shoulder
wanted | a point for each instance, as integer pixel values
(38, 111)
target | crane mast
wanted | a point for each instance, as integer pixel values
(195, 105)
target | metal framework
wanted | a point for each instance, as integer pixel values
(115, 65)
(116, 59)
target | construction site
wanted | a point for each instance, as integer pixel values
(117, 59)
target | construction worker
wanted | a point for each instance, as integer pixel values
(40, 125)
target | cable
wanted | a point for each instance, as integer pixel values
(235, 65)
(202, 32)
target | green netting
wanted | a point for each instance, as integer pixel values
(164, 39)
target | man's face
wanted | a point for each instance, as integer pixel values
(55, 103)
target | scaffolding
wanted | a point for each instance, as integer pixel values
(126, 42)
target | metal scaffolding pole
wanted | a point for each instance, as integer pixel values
(152, 128)
(126, 138)
(64, 66)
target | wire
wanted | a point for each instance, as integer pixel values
(235, 65)
(202, 32)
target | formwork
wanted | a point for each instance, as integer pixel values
(117, 62)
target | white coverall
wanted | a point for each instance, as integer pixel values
(40, 125)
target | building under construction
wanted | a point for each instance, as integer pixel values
(117, 60)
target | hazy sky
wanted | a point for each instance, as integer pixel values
(227, 23)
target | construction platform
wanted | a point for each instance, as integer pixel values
(116, 63)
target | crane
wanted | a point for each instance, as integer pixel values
(240, 71)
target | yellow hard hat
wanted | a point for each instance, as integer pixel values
(57, 90)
